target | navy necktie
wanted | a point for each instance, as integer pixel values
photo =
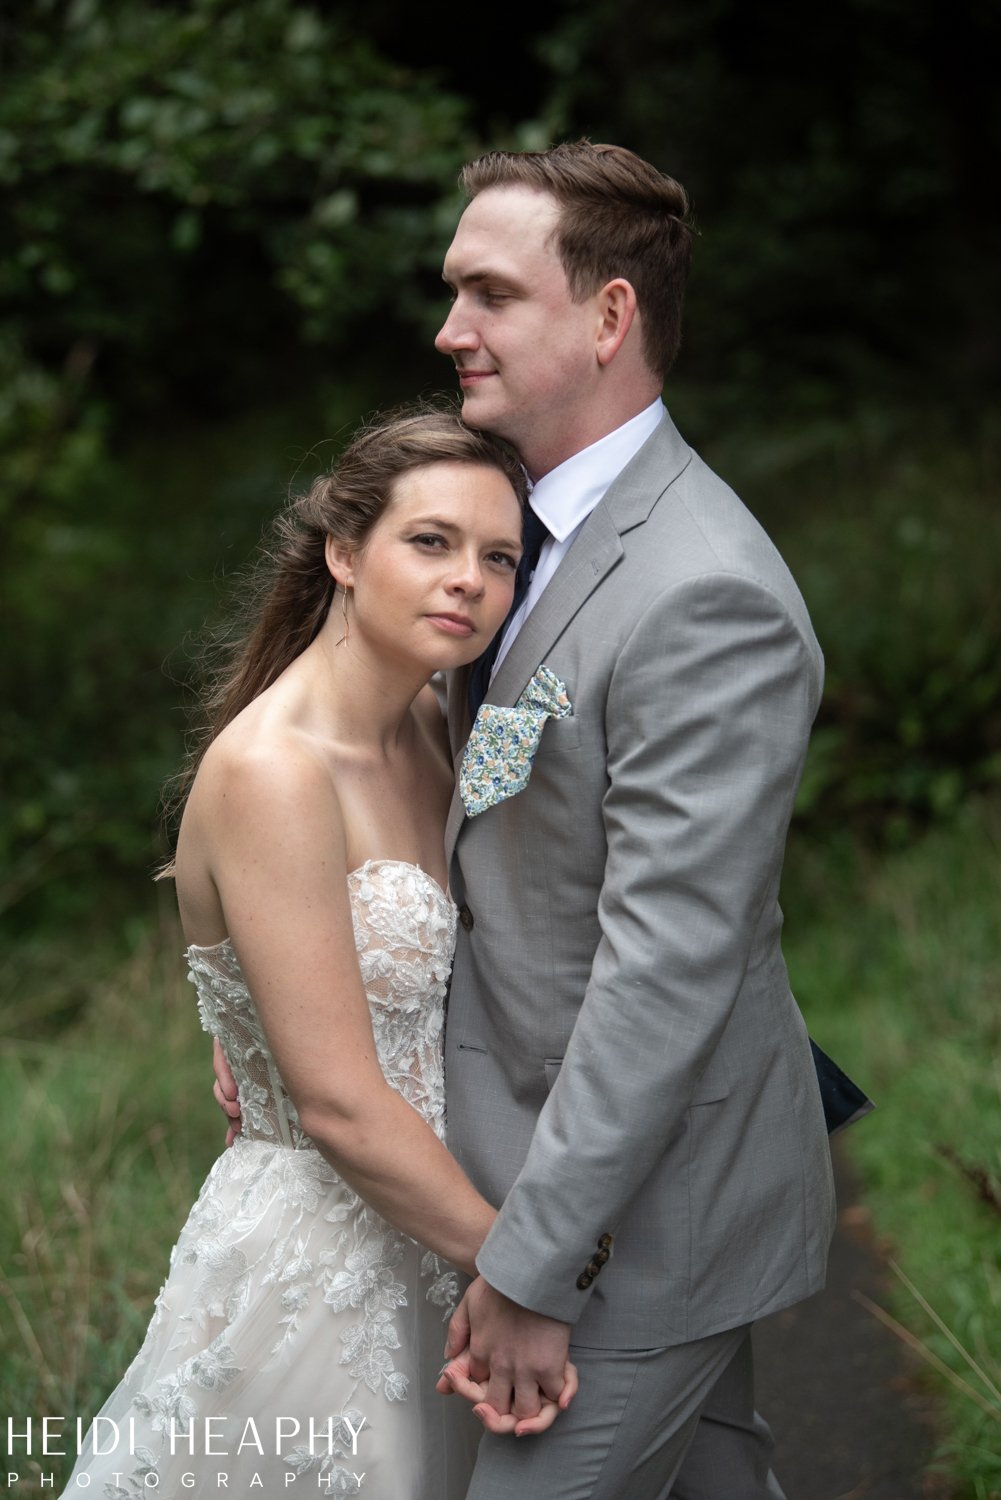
(534, 533)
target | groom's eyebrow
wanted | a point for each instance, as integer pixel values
(477, 278)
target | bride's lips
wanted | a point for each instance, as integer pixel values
(454, 624)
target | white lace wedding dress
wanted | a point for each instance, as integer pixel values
(289, 1301)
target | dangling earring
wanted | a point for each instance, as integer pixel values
(344, 612)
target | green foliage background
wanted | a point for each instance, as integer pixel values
(220, 230)
(221, 225)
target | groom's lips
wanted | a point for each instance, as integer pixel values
(473, 377)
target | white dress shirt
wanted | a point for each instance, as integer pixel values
(566, 496)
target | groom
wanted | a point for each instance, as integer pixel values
(627, 1070)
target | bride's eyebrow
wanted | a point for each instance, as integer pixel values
(438, 523)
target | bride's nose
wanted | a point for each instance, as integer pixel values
(466, 577)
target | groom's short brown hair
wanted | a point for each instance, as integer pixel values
(619, 217)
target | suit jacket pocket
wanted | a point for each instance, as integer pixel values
(560, 734)
(712, 1086)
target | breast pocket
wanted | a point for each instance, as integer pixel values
(559, 735)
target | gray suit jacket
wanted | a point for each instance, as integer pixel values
(623, 1054)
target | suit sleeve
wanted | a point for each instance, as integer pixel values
(708, 716)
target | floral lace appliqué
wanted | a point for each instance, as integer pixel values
(281, 1266)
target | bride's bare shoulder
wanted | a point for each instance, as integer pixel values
(265, 768)
(263, 811)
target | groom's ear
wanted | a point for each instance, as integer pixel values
(340, 561)
(616, 309)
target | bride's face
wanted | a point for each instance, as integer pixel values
(435, 579)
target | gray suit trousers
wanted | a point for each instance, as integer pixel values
(646, 1424)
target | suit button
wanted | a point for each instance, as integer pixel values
(602, 1256)
(605, 1242)
(584, 1281)
(593, 1268)
(466, 918)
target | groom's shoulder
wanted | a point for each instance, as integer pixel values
(693, 523)
(687, 505)
(668, 469)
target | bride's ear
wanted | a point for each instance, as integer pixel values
(340, 561)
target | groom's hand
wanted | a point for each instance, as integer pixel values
(517, 1357)
(455, 1378)
(225, 1092)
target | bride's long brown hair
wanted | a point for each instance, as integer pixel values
(284, 597)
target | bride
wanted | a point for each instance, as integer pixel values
(296, 1342)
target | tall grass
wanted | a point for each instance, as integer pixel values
(896, 960)
(109, 1127)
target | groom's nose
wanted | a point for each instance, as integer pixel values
(455, 333)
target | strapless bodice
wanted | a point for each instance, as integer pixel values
(290, 1306)
(404, 929)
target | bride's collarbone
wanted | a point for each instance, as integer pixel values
(395, 829)
(396, 813)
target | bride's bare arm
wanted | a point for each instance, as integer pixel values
(277, 856)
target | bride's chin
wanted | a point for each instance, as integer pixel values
(450, 653)
(450, 663)
(471, 653)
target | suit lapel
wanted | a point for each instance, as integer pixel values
(592, 556)
(627, 503)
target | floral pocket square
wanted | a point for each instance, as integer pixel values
(501, 747)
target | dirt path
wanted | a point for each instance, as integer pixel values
(841, 1393)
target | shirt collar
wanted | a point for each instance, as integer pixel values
(566, 496)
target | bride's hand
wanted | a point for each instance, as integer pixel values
(455, 1377)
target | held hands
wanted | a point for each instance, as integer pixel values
(511, 1363)
(455, 1378)
(224, 1090)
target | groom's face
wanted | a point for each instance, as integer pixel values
(523, 349)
